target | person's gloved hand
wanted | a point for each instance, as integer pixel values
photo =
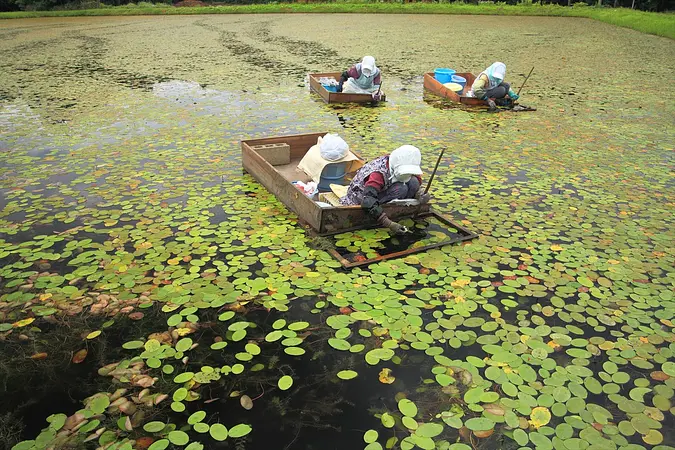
(514, 96)
(394, 227)
(377, 97)
(492, 105)
(397, 228)
(422, 197)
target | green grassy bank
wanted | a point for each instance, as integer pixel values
(661, 24)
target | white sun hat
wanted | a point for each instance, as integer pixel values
(405, 160)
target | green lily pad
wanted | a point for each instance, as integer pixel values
(132, 345)
(479, 424)
(429, 430)
(160, 444)
(285, 382)
(520, 437)
(183, 377)
(178, 437)
(347, 374)
(196, 417)
(184, 345)
(339, 344)
(240, 430)
(407, 407)
(201, 427)
(154, 427)
(668, 368)
(387, 420)
(218, 432)
(370, 436)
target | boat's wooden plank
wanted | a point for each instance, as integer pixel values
(354, 217)
(318, 88)
(299, 143)
(335, 75)
(288, 194)
(340, 97)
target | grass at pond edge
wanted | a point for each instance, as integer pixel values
(660, 24)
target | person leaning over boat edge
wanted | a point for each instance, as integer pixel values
(362, 78)
(489, 85)
(387, 178)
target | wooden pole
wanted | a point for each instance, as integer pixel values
(528, 76)
(438, 161)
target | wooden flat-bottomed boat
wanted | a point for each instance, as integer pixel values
(434, 86)
(278, 180)
(337, 97)
(327, 220)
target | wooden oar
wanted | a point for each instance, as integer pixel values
(528, 76)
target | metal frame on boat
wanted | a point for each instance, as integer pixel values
(464, 235)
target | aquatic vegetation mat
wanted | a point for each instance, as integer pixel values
(154, 296)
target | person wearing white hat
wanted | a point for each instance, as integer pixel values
(329, 149)
(490, 85)
(362, 78)
(387, 178)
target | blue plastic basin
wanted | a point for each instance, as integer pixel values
(443, 75)
(332, 174)
(330, 88)
(459, 80)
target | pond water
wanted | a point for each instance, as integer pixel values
(152, 295)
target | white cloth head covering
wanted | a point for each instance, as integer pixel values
(404, 162)
(333, 147)
(496, 73)
(368, 65)
(313, 162)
